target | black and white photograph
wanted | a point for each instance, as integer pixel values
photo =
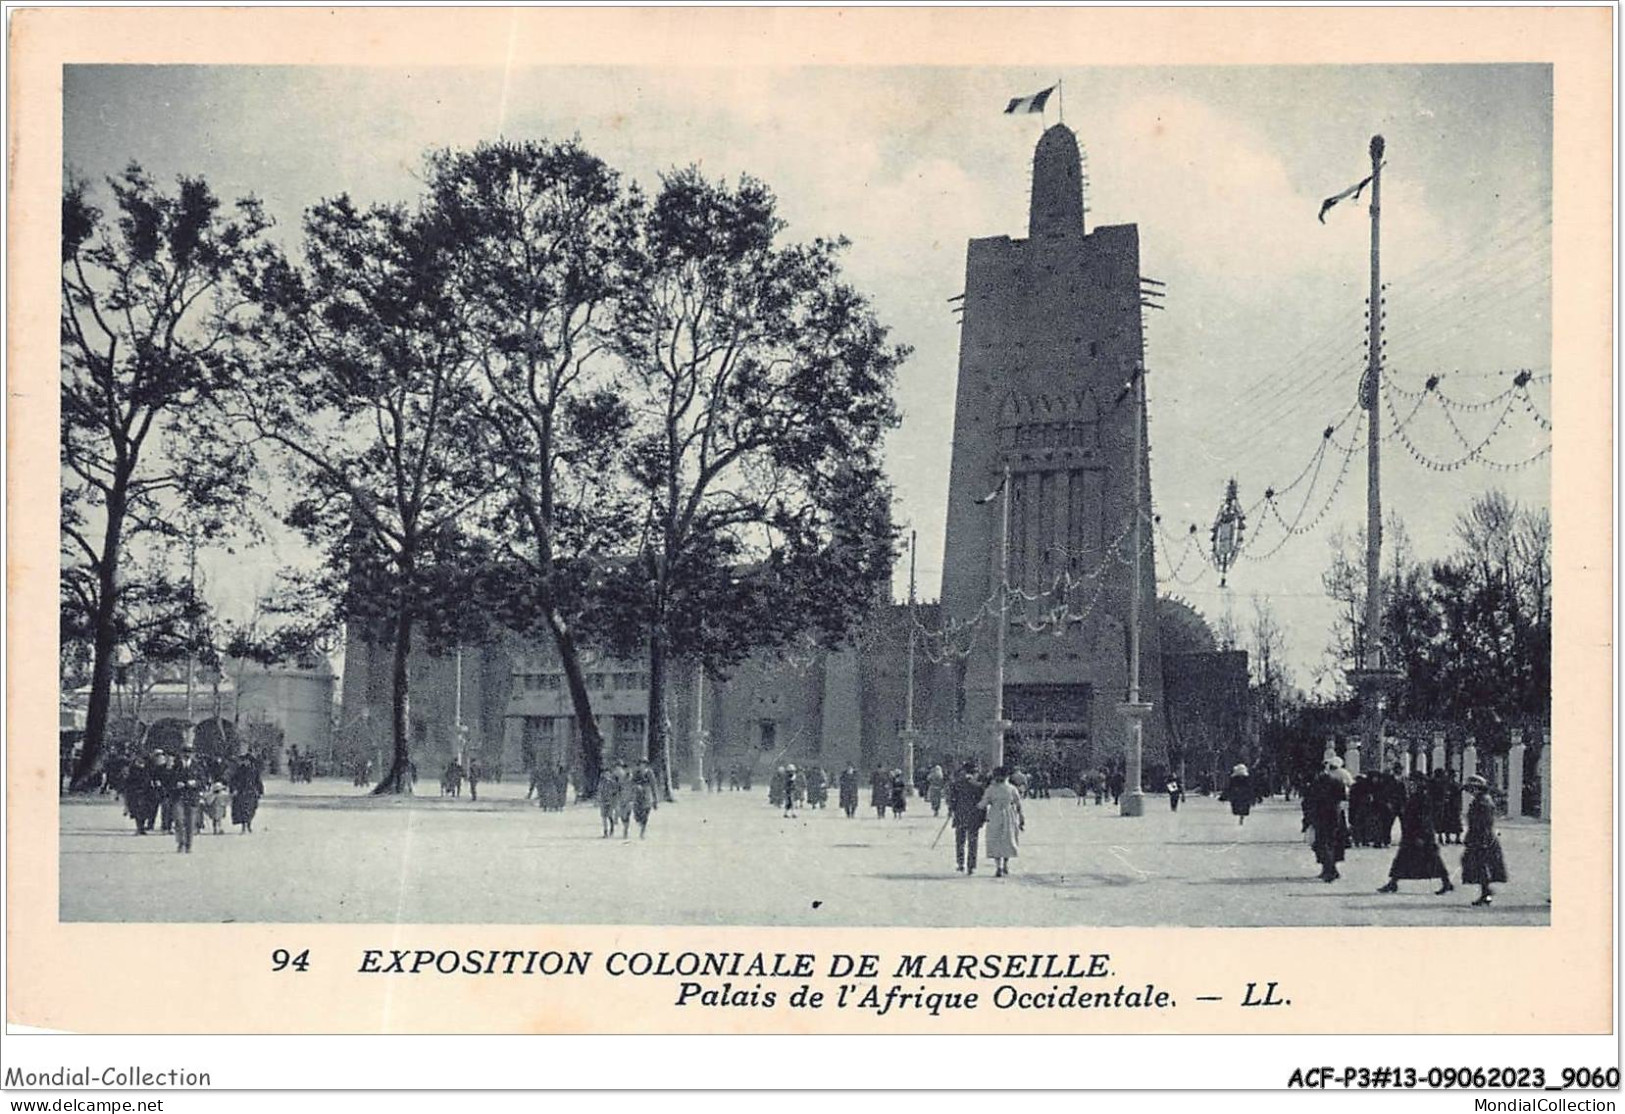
(951, 496)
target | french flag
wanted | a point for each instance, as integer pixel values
(1034, 103)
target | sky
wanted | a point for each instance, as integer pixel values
(1260, 346)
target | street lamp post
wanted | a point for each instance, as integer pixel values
(1000, 725)
(1133, 710)
(911, 737)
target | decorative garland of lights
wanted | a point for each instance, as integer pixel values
(1518, 465)
(946, 643)
(1267, 506)
(1064, 582)
(1398, 423)
(1529, 404)
(1474, 452)
(1187, 546)
(1327, 437)
(1449, 403)
(1297, 529)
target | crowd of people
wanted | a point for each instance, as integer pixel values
(301, 767)
(791, 789)
(551, 788)
(625, 795)
(1098, 785)
(183, 791)
(180, 793)
(1341, 811)
(974, 800)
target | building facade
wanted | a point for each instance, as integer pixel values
(295, 698)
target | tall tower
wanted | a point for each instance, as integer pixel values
(1049, 345)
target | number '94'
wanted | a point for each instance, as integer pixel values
(282, 959)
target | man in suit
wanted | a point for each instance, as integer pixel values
(186, 782)
(965, 812)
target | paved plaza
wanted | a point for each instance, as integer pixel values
(324, 853)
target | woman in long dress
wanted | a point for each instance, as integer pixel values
(1240, 794)
(1002, 803)
(1418, 855)
(611, 786)
(934, 783)
(247, 787)
(849, 790)
(1323, 801)
(1481, 859)
(643, 796)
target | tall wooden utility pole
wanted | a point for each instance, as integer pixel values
(1373, 399)
(1369, 676)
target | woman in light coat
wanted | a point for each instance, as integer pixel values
(1240, 794)
(1002, 803)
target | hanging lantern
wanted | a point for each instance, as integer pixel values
(1228, 530)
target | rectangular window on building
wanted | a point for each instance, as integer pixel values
(770, 735)
(540, 740)
(629, 735)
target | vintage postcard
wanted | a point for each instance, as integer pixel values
(810, 521)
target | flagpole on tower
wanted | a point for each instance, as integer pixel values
(1060, 96)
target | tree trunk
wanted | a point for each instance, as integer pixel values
(592, 741)
(398, 779)
(106, 647)
(659, 744)
(101, 697)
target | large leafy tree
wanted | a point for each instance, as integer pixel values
(1482, 656)
(543, 235)
(1472, 632)
(761, 388)
(149, 305)
(358, 373)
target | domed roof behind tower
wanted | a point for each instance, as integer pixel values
(1183, 629)
(1057, 200)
